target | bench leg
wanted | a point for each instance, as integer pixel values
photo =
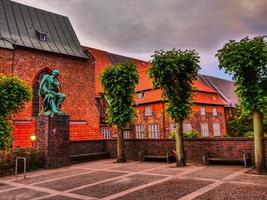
(204, 160)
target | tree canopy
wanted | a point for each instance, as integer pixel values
(119, 83)
(174, 72)
(14, 93)
(246, 61)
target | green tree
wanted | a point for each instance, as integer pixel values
(14, 93)
(246, 61)
(119, 83)
(174, 72)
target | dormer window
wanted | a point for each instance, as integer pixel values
(42, 36)
(140, 95)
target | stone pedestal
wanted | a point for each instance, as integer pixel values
(52, 138)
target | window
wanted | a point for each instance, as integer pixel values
(106, 133)
(172, 127)
(140, 131)
(204, 129)
(216, 129)
(153, 131)
(202, 111)
(148, 111)
(187, 127)
(214, 111)
(126, 134)
(140, 95)
(42, 36)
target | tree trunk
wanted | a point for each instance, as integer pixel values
(120, 147)
(180, 158)
(259, 149)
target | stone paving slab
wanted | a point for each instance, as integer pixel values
(116, 186)
(172, 189)
(232, 191)
(165, 171)
(21, 194)
(59, 197)
(135, 167)
(52, 175)
(215, 171)
(79, 180)
(5, 186)
(257, 179)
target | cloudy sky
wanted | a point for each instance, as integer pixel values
(138, 27)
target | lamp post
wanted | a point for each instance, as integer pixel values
(33, 138)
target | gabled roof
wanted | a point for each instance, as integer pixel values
(153, 96)
(104, 59)
(21, 24)
(224, 87)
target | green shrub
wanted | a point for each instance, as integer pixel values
(191, 134)
(7, 160)
(5, 133)
(250, 134)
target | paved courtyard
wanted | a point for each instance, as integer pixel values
(134, 180)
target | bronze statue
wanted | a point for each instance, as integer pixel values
(49, 90)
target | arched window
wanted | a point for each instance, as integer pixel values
(36, 101)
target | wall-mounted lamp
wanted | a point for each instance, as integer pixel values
(33, 139)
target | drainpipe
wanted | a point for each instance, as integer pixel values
(163, 119)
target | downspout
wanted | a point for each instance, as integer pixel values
(163, 119)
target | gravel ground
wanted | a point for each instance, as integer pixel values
(262, 180)
(136, 167)
(21, 194)
(116, 186)
(5, 186)
(59, 197)
(52, 175)
(165, 171)
(232, 191)
(172, 189)
(76, 181)
(215, 172)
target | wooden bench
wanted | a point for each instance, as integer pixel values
(89, 156)
(143, 156)
(245, 159)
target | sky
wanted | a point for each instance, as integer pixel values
(137, 28)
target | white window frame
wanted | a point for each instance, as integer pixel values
(202, 111)
(148, 111)
(214, 111)
(216, 129)
(153, 131)
(126, 134)
(187, 126)
(204, 127)
(140, 131)
(106, 133)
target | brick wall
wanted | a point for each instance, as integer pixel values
(6, 61)
(194, 148)
(76, 79)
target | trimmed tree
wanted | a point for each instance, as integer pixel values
(174, 72)
(119, 83)
(246, 61)
(14, 93)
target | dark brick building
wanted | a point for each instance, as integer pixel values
(34, 42)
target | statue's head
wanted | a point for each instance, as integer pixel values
(55, 72)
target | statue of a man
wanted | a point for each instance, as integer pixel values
(49, 90)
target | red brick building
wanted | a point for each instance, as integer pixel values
(208, 116)
(34, 42)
